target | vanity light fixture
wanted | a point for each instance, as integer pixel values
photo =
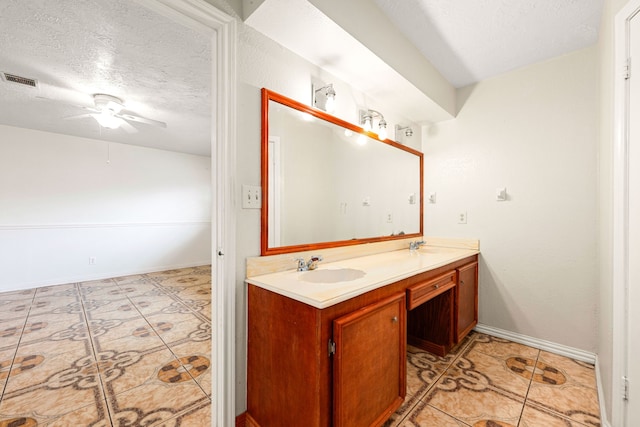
(324, 98)
(407, 130)
(366, 120)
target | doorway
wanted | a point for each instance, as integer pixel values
(626, 239)
(222, 30)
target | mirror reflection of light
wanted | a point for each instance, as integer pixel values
(361, 139)
(348, 132)
(306, 116)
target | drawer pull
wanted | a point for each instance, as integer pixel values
(436, 286)
(395, 319)
(462, 282)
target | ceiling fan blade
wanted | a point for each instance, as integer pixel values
(139, 119)
(79, 116)
(126, 126)
(83, 107)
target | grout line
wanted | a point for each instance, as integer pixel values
(526, 395)
(15, 352)
(95, 356)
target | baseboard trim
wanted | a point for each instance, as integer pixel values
(549, 346)
(241, 420)
(105, 275)
(604, 422)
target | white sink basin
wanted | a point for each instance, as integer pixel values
(332, 276)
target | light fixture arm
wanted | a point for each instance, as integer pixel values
(366, 119)
(324, 98)
(407, 130)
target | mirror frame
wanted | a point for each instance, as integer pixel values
(268, 95)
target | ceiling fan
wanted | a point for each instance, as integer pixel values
(108, 113)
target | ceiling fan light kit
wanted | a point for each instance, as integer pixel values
(108, 106)
(108, 112)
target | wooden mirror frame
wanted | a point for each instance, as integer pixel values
(268, 95)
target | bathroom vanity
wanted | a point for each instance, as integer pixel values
(333, 353)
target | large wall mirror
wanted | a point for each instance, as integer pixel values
(327, 182)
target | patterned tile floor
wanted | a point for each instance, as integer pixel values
(127, 351)
(491, 382)
(135, 351)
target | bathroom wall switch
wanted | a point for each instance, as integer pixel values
(412, 198)
(462, 218)
(251, 197)
(432, 197)
(366, 201)
(92, 260)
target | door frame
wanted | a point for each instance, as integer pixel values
(207, 19)
(620, 260)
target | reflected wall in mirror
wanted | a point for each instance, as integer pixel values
(328, 183)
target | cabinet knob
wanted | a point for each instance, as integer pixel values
(462, 282)
(436, 286)
(394, 319)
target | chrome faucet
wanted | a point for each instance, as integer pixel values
(312, 264)
(415, 245)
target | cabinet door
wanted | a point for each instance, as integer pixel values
(369, 371)
(467, 298)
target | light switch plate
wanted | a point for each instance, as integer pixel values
(251, 197)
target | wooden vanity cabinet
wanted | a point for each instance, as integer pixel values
(467, 299)
(295, 375)
(369, 366)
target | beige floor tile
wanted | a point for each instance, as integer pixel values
(501, 348)
(10, 332)
(122, 371)
(153, 403)
(89, 415)
(570, 400)
(474, 402)
(58, 331)
(171, 333)
(201, 416)
(49, 317)
(104, 331)
(14, 310)
(158, 304)
(62, 396)
(424, 415)
(130, 342)
(576, 371)
(491, 371)
(534, 416)
(33, 370)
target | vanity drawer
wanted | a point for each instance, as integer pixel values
(423, 291)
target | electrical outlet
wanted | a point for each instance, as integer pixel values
(389, 217)
(92, 260)
(462, 218)
(251, 197)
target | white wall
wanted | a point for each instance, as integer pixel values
(533, 131)
(64, 199)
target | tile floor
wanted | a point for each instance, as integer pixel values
(491, 382)
(128, 351)
(135, 351)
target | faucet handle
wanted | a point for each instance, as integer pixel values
(301, 264)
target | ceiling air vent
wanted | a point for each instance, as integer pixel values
(20, 80)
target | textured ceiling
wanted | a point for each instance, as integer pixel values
(76, 48)
(471, 40)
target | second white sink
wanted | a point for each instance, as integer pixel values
(332, 276)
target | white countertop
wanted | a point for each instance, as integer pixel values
(380, 270)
